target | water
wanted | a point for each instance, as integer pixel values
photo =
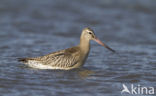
(30, 28)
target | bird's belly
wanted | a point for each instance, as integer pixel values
(39, 65)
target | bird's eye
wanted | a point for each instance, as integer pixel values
(90, 33)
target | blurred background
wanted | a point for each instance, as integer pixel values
(30, 28)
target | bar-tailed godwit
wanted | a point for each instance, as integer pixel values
(66, 59)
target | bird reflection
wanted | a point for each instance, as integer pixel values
(84, 73)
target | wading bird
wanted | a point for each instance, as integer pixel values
(66, 59)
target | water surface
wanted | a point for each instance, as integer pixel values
(34, 28)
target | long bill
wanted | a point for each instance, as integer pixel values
(100, 42)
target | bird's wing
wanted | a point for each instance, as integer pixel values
(64, 58)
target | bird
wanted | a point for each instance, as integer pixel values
(66, 59)
(125, 89)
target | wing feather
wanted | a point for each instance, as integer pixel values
(64, 58)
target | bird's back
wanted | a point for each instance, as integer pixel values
(63, 59)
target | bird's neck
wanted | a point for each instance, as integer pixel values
(84, 45)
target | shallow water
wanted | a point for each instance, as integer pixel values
(30, 28)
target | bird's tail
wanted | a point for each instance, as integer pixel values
(24, 60)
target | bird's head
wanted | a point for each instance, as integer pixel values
(88, 34)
